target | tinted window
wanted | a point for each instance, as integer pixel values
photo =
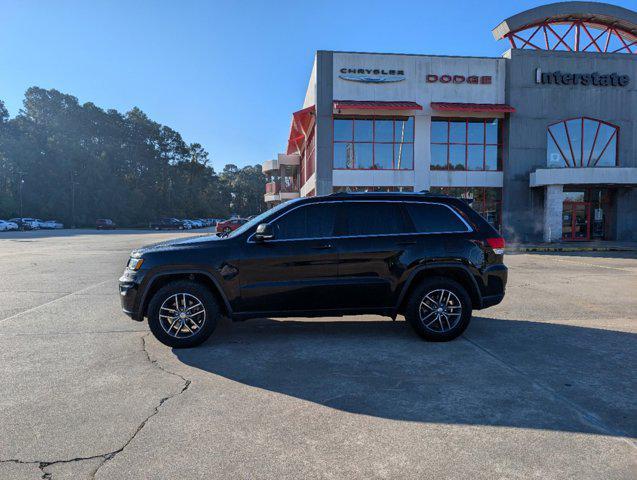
(311, 221)
(373, 218)
(431, 218)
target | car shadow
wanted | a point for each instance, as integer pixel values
(500, 373)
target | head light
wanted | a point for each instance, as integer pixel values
(135, 263)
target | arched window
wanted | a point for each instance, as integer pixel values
(581, 142)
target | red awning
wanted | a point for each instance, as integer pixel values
(472, 107)
(302, 122)
(371, 105)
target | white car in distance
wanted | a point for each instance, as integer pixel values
(6, 226)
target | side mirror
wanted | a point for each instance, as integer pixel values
(264, 232)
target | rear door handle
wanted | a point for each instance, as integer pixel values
(325, 246)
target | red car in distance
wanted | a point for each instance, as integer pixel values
(227, 226)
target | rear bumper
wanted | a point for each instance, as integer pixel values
(492, 300)
(495, 279)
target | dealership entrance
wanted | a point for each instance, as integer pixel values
(587, 213)
(576, 217)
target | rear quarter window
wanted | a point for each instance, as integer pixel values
(434, 218)
(373, 218)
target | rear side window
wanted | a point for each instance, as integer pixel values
(372, 218)
(432, 218)
(310, 221)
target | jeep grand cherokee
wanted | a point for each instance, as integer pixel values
(428, 257)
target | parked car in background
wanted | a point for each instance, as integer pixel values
(187, 224)
(6, 226)
(105, 224)
(25, 223)
(227, 226)
(428, 257)
(50, 224)
(168, 224)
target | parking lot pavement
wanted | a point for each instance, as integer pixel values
(541, 386)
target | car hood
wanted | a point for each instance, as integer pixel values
(175, 244)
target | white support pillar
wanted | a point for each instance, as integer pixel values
(553, 200)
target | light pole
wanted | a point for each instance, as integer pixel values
(21, 183)
(73, 183)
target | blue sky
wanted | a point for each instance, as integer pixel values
(224, 74)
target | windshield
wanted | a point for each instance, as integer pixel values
(260, 218)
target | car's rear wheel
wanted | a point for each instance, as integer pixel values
(183, 314)
(439, 309)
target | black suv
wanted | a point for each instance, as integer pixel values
(431, 258)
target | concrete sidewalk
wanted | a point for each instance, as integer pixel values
(592, 246)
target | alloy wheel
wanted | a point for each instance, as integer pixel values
(182, 315)
(440, 310)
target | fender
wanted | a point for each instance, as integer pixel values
(450, 265)
(180, 271)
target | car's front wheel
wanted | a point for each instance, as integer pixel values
(439, 309)
(183, 314)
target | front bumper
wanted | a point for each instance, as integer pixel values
(129, 295)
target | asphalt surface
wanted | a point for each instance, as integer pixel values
(542, 386)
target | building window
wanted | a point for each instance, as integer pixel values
(289, 178)
(486, 201)
(581, 142)
(374, 143)
(373, 189)
(466, 144)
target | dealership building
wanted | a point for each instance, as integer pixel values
(543, 140)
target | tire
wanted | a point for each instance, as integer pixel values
(183, 338)
(435, 325)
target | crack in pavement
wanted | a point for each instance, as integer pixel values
(105, 457)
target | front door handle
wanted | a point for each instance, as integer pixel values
(324, 246)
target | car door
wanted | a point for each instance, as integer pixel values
(297, 269)
(374, 244)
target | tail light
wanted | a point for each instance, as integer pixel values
(497, 244)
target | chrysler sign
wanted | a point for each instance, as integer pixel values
(595, 79)
(372, 75)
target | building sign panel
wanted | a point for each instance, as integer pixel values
(594, 79)
(372, 75)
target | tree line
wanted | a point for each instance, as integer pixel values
(73, 162)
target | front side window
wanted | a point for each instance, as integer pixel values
(373, 218)
(581, 142)
(309, 221)
(432, 218)
(374, 143)
(466, 144)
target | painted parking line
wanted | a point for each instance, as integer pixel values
(586, 264)
(83, 290)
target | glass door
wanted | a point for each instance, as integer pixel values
(576, 221)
